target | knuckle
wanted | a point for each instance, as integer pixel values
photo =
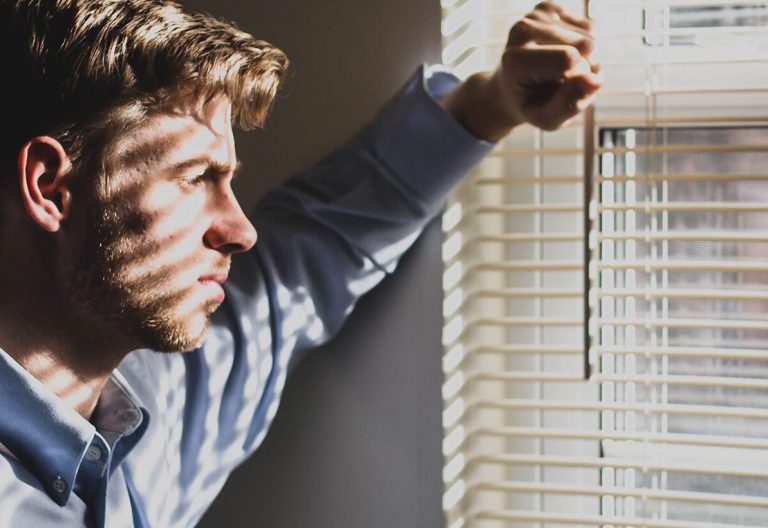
(569, 56)
(586, 45)
(522, 28)
(546, 6)
(537, 15)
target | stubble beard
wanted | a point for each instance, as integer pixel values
(143, 310)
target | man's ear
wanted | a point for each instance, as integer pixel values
(43, 167)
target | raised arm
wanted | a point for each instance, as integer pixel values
(330, 234)
(547, 74)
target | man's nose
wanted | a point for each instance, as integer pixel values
(230, 230)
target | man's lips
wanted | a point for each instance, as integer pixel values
(213, 282)
(214, 277)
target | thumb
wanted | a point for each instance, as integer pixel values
(572, 96)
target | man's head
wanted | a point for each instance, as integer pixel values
(82, 71)
(118, 140)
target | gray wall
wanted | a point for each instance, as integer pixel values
(357, 440)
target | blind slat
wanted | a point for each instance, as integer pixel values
(643, 149)
(697, 207)
(646, 177)
(640, 436)
(682, 90)
(685, 293)
(672, 119)
(711, 236)
(528, 237)
(530, 349)
(525, 292)
(595, 520)
(529, 208)
(673, 409)
(649, 293)
(642, 379)
(528, 265)
(649, 265)
(527, 321)
(649, 351)
(685, 265)
(752, 471)
(691, 352)
(650, 207)
(642, 493)
(720, 324)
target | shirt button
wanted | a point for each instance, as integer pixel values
(93, 453)
(59, 485)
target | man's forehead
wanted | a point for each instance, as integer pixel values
(211, 111)
(190, 129)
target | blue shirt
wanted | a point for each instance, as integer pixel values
(169, 428)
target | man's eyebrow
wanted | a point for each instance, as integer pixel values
(208, 162)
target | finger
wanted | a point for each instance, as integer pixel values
(570, 98)
(553, 17)
(582, 23)
(594, 61)
(527, 31)
(588, 84)
(539, 64)
(558, 11)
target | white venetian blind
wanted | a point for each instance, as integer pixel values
(671, 427)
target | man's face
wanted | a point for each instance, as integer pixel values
(157, 240)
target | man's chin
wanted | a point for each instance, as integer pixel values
(175, 336)
(171, 344)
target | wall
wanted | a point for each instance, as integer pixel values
(357, 440)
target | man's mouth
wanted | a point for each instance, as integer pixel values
(213, 282)
(214, 277)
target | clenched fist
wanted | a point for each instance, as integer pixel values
(548, 73)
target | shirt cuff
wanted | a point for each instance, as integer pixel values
(424, 145)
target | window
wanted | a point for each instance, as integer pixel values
(671, 429)
(683, 317)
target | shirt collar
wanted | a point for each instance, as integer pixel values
(50, 438)
(119, 416)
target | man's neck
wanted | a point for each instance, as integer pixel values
(42, 328)
(77, 391)
(71, 359)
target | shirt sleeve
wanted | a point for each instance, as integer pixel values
(333, 232)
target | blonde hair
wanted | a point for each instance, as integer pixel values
(83, 70)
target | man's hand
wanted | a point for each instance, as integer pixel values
(547, 74)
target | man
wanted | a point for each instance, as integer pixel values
(118, 230)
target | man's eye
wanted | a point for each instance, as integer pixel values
(194, 180)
